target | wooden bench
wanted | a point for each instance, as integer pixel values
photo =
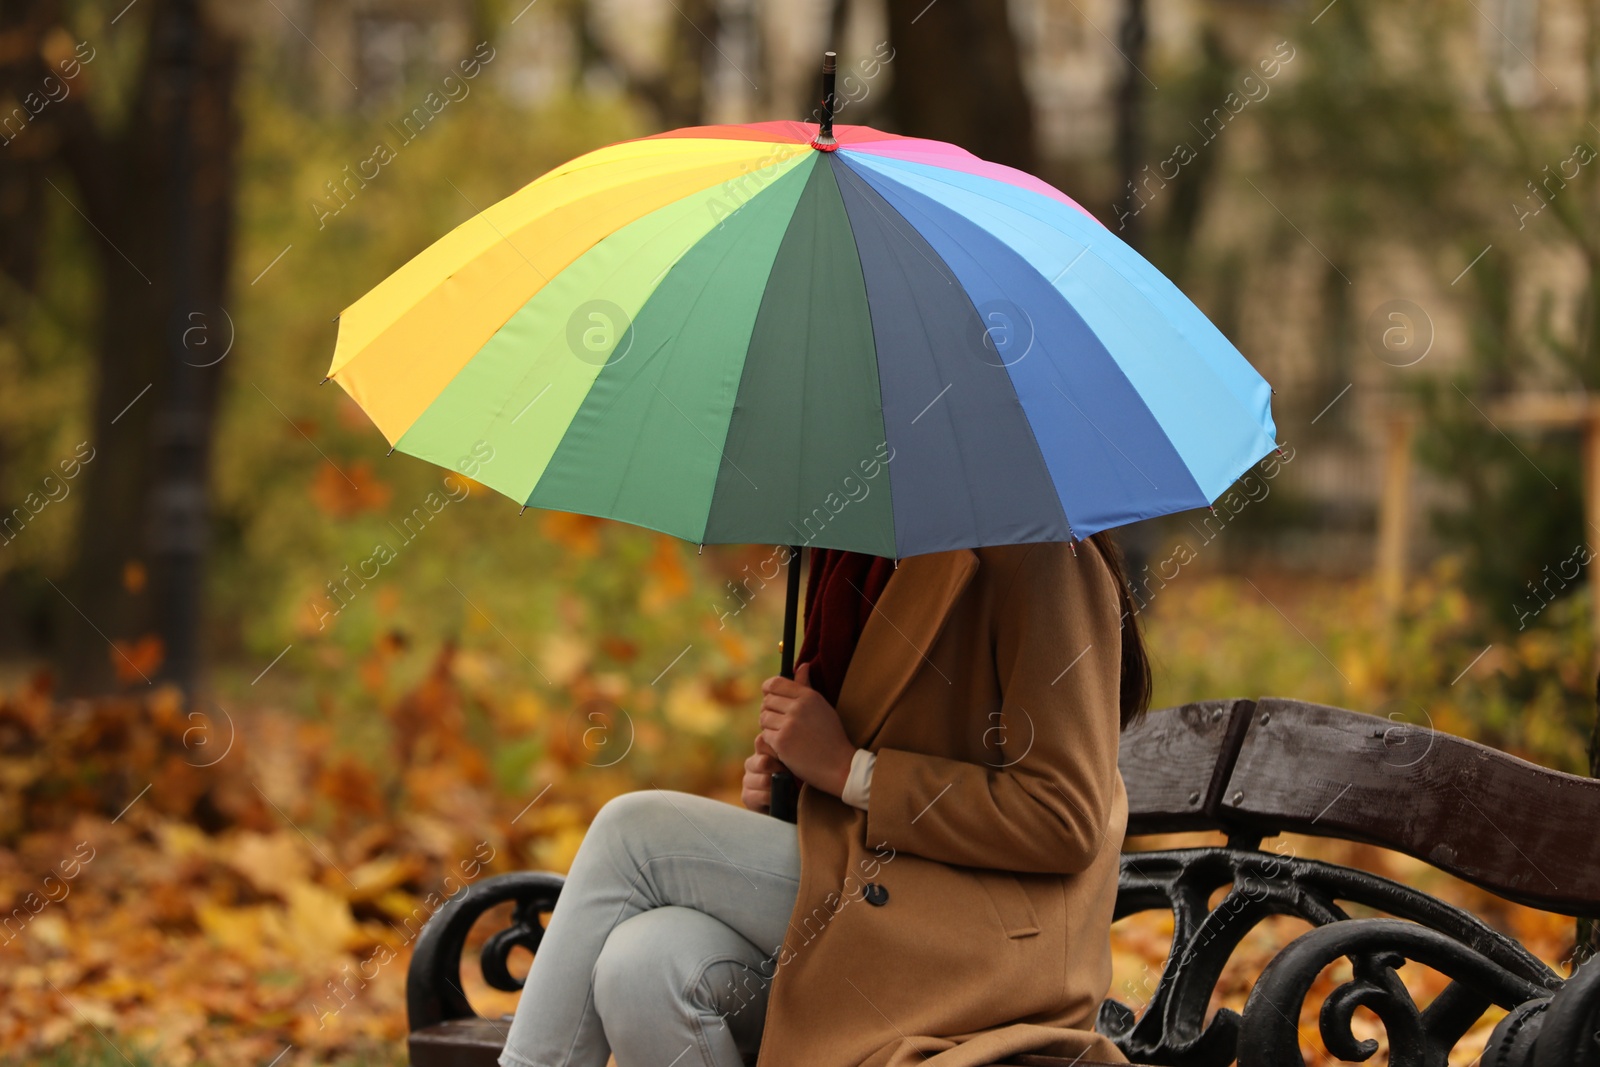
(1253, 769)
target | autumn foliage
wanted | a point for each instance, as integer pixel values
(214, 887)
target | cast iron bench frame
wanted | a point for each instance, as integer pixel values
(1254, 769)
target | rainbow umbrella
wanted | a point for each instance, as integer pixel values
(794, 334)
(739, 334)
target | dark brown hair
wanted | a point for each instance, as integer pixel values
(1137, 682)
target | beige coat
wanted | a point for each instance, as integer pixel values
(987, 684)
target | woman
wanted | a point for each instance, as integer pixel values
(947, 896)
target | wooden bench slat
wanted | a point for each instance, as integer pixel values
(477, 1043)
(473, 1042)
(1515, 828)
(1170, 761)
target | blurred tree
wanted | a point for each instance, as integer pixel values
(674, 89)
(1130, 144)
(1376, 150)
(1366, 155)
(1524, 510)
(1171, 238)
(1386, 141)
(156, 186)
(958, 78)
(1542, 153)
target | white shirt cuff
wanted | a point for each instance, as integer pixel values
(858, 786)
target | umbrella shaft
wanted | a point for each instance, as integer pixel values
(825, 127)
(785, 788)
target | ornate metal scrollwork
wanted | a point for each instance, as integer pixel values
(1562, 1030)
(1173, 1029)
(1269, 1036)
(433, 983)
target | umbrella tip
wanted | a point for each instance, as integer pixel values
(1074, 546)
(390, 452)
(825, 141)
(324, 381)
(524, 508)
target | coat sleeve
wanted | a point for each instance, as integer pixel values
(1047, 812)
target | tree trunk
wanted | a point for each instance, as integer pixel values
(676, 93)
(159, 195)
(1130, 120)
(958, 77)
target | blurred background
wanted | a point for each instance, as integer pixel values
(267, 694)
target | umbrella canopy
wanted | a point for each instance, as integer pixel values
(743, 334)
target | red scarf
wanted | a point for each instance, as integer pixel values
(840, 592)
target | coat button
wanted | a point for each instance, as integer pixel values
(876, 895)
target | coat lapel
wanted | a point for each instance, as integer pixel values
(897, 636)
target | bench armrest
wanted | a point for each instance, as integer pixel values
(433, 982)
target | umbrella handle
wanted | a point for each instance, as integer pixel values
(785, 787)
(785, 797)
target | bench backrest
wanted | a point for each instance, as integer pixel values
(1254, 768)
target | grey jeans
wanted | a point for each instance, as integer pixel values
(661, 946)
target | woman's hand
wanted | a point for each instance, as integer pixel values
(803, 730)
(758, 771)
